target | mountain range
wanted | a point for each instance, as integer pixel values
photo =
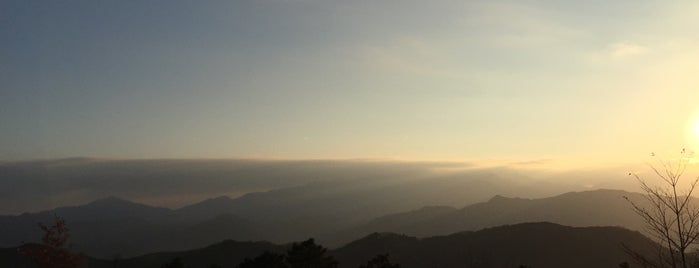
(540, 245)
(588, 208)
(115, 227)
(33, 186)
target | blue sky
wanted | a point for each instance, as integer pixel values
(441, 80)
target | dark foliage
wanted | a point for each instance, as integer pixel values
(308, 254)
(265, 260)
(174, 263)
(380, 261)
(52, 253)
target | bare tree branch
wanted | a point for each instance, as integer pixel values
(670, 216)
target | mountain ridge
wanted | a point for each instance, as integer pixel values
(603, 207)
(537, 244)
(138, 228)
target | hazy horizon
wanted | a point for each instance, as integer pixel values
(31, 186)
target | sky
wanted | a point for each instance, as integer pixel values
(574, 82)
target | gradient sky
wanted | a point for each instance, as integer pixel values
(592, 80)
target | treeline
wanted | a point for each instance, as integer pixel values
(306, 254)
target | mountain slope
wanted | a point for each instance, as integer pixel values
(226, 254)
(538, 245)
(112, 226)
(15, 230)
(590, 208)
(321, 208)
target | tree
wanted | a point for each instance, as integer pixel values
(380, 261)
(53, 253)
(264, 260)
(309, 255)
(174, 263)
(670, 215)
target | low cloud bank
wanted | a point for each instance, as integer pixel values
(30, 186)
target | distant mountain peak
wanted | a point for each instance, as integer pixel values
(110, 200)
(113, 198)
(209, 208)
(376, 235)
(219, 198)
(382, 236)
(596, 192)
(112, 203)
(214, 201)
(499, 198)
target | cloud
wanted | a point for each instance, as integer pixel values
(517, 25)
(39, 185)
(626, 49)
(411, 55)
(536, 162)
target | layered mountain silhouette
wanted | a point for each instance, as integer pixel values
(532, 244)
(112, 226)
(589, 208)
(540, 245)
(32, 186)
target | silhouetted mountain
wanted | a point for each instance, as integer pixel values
(206, 209)
(540, 245)
(223, 226)
(110, 208)
(112, 226)
(406, 222)
(590, 208)
(320, 208)
(111, 211)
(39, 185)
(227, 253)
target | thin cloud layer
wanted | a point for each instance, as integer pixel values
(626, 49)
(36, 185)
(39, 185)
